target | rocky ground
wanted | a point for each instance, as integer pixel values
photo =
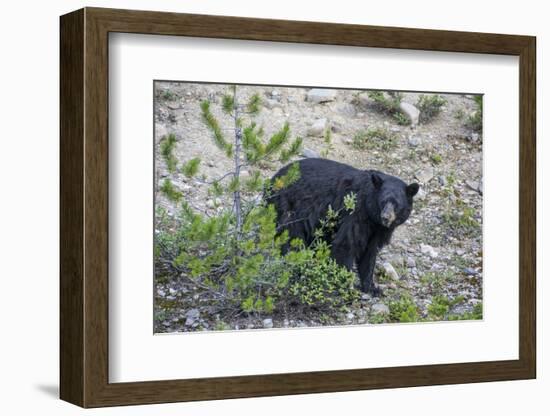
(436, 256)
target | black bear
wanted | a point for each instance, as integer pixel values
(382, 203)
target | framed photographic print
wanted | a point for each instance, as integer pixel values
(256, 207)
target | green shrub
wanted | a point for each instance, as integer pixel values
(374, 138)
(249, 273)
(167, 146)
(404, 309)
(191, 168)
(475, 119)
(439, 307)
(436, 158)
(167, 95)
(436, 281)
(475, 314)
(401, 119)
(328, 143)
(389, 103)
(460, 218)
(317, 280)
(429, 106)
(170, 191)
(386, 101)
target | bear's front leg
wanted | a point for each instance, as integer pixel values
(342, 256)
(366, 271)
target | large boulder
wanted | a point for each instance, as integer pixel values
(411, 112)
(321, 95)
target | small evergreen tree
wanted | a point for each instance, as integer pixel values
(247, 147)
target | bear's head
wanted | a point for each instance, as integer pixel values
(394, 199)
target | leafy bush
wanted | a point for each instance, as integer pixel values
(167, 145)
(429, 106)
(317, 280)
(166, 95)
(250, 274)
(170, 191)
(475, 119)
(460, 218)
(436, 158)
(386, 101)
(191, 168)
(401, 119)
(389, 102)
(436, 281)
(328, 143)
(439, 307)
(404, 309)
(374, 138)
(475, 314)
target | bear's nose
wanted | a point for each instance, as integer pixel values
(388, 215)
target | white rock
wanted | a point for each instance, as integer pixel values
(318, 127)
(414, 141)
(390, 271)
(321, 95)
(425, 175)
(191, 316)
(421, 195)
(429, 250)
(270, 103)
(411, 262)
(267, 323)
(380, 308)
(310, 153)
(474, 185)
(346, 109)
(365, 296)
(396, 259)
(350, 316)
(210, 203)
(411, 112)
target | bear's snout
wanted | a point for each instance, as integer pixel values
(388, 215)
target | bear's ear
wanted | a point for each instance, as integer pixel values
(412, 189)
(376, 180)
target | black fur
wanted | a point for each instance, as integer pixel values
(358, 236)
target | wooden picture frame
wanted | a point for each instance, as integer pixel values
(84, 207)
